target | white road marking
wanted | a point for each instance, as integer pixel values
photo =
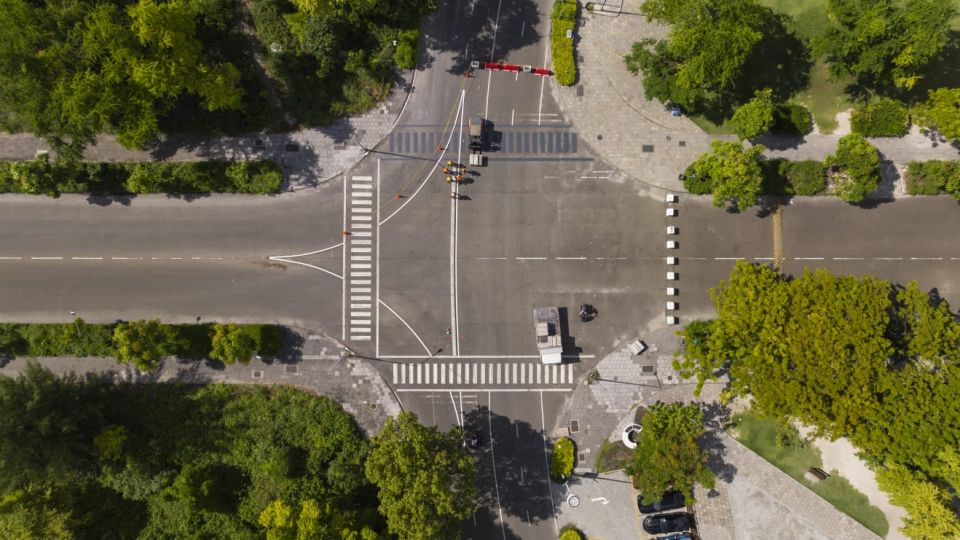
(926, 258)
(531, 258)
(91, 258)
(571, 258)
(46, 258)
(397, 315)
(479, 356)
(728, 258)
(10, 258)
(848, 258)
(513, 112)
(477, 389)
(889, 258)
(493, 462)
(325, 271)
(546, 463)
(376, 315)
(808, 258)
(543, 80)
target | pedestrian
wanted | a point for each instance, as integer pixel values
(449, 179)
(454, 195)
(446, 170)
(459, 178)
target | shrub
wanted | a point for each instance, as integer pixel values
(792, 119)
(755, 117)
(855, 168)
(774, 182)
(407, 47)
(561, 459)
(933, 178)
(563, 18)
(805, 177)
(570, 532)
(697, 184)
(884, 117)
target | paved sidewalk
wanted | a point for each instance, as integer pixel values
(317, 366)
(308, 156)
(641, 139)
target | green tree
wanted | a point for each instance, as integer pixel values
(756, 116)
(30, 514)
(561, 459)
(143, 343)
(883, 44)
(733, 173)
(883, 117)
(941, 112)
(854, 168)
(426, 479)
(232, 343)
(668, 455)
(927, 505)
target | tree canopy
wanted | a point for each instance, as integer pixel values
(854, 168)
(854, 357)
(756, 116)
(884, 44)
(427, 482)
(729, 171)
(668, 456)
(179, 461)
(941, 112)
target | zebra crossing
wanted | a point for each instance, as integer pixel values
(361, 250)
(482, 374)
(510, 142)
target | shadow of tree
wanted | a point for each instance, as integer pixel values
(715, 419)
(470, 36)
(525, 491)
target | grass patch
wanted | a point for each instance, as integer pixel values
(824, 99)
(563, 18)
(710, 127)
(612, 456)
(795, 458)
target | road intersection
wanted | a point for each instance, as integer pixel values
(437, 290)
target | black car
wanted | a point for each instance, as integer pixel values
(671, 500)
(668, 523)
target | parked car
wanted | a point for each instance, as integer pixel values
(678, 536)
(668, 523)
(671, 500)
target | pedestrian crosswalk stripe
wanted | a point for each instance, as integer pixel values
(482, 373)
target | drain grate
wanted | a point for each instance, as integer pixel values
(682, 143)
(291, 369)
(574, 426)
(647, 148)
(257, 374)
(579, 90)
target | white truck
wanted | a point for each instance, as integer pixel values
(476, 126)
(549, 340)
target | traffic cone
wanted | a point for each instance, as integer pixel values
(346, 232)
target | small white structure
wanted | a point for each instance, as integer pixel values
(672, 198)
(636, 347)
(672, 244)
(672, 276)
(671, 212)
(671, 306)
(630, 433)
(672, 320)
(671, 291)
(672, 261)
(672, 230)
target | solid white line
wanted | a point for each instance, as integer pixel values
(543, 432)
(324, 270)
(87, 258)
(728, 258)
(343, 258)
(376, 315)
(10, 258)
(543, 80)
(493, 462)
(397, 315)
(493, 48)
(356, 225)
(482, 389)
(926, 258)
(890, 258)
(178, 258)
(363, 266)
(808, 258)
(480, 356)
(571, 258)
(361, 274)
(455, 412)
(848, 258)
(427, 176)
(49, 258)
(490, 258)
(191, 258)
(512, 113)
(531, 258)
(486, 106)
(311, 252)
(360, 242)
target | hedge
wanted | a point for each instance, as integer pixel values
(81, 339)
(884, 117)
(792, 119)
(407, 48)
(933, 178)
(42, 177)
(561, 459)
(571, 532)
(805, 177)
(563, 18)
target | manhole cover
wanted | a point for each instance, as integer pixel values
(579, 90)
(647, 148)
(257, 374)
(574, 426)
(291, 369)
(682, 143)
(599, 137)
(646, 369)
(373, 406)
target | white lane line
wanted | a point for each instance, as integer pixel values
(530, 258)
(455, 412)
(888, 258)
(181, 258)
(728, 258)
(926, 258)
(571, 258)
(480, 356)
(512, 113)
(543, 80)
(48, 258)
(397, 315)
(490, 258)
(427, 176)
(546, 463)
(191, 258)
(92, 258)
(310, 252)
(324, 270)
(493, 462)
(343, 259)
(10, 258)
(848, 258)
(493, 49)
(808, 258)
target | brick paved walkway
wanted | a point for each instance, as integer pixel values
(316, 366)
(308, 156)
(641, 139)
